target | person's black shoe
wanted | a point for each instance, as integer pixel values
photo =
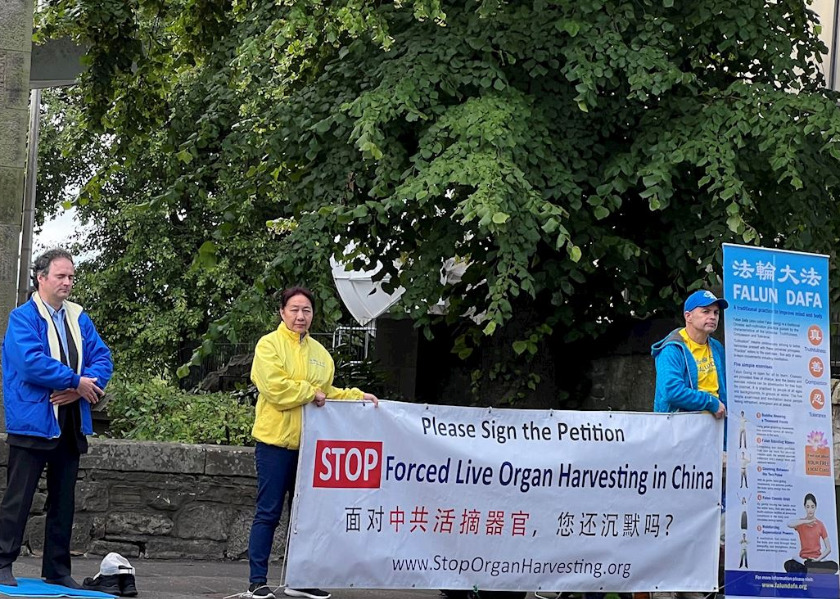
(106, 584)
(307, 593)
(6, 576)
(128, 586)
(65, 581)
(260, 590)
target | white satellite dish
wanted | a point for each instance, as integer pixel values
(363, 298)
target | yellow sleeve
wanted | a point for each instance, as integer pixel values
(274, 383)
(339, 393)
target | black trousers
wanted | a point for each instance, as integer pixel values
(24, 471)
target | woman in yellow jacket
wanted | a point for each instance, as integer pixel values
(290, 370)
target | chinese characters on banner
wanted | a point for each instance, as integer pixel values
(413, 496)
(781, 529)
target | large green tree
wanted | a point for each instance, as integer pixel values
(584, 158)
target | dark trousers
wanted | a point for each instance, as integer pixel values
(24, 471)
(276, 469)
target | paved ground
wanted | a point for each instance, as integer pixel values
(164, 579)
(159, 579)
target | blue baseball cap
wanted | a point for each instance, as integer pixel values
(703, 298)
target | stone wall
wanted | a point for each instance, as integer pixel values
(158, 501)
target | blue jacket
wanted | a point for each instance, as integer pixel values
(31, 372)
(676, 377)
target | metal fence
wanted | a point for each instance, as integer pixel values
(355, 343)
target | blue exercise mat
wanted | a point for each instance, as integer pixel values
(34, 587)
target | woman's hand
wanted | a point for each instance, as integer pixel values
(320, 399)
(371, 397)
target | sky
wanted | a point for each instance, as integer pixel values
(56, 232)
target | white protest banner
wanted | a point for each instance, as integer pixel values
(781, 525)
(414, 496)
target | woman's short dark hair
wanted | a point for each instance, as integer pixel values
(811, 497)
(293, 291)
(42, 263)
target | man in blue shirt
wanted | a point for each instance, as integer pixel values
(55, 366)
(690, 364)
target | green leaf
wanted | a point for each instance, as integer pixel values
(207, 255)
(571, 27)
(735, 223)
(550, 226)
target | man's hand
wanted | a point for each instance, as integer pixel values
(63, 398)
(721, 411)
(88, 390)
(320, 399)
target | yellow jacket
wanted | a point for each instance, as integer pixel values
(287, 371)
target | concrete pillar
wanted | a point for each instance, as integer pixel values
(15, 59)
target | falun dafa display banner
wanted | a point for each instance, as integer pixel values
(781, 521)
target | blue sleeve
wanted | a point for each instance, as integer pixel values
(97, 358)
(25, 352)
(720, 364)
(671, 383)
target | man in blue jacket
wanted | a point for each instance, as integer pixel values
(691, 370)
(690, 366)
(55, 367)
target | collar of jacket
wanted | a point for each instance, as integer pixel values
(284, 330)
(73, 312)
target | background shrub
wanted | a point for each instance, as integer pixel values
(155, 410)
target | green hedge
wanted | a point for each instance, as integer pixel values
(155, 410)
